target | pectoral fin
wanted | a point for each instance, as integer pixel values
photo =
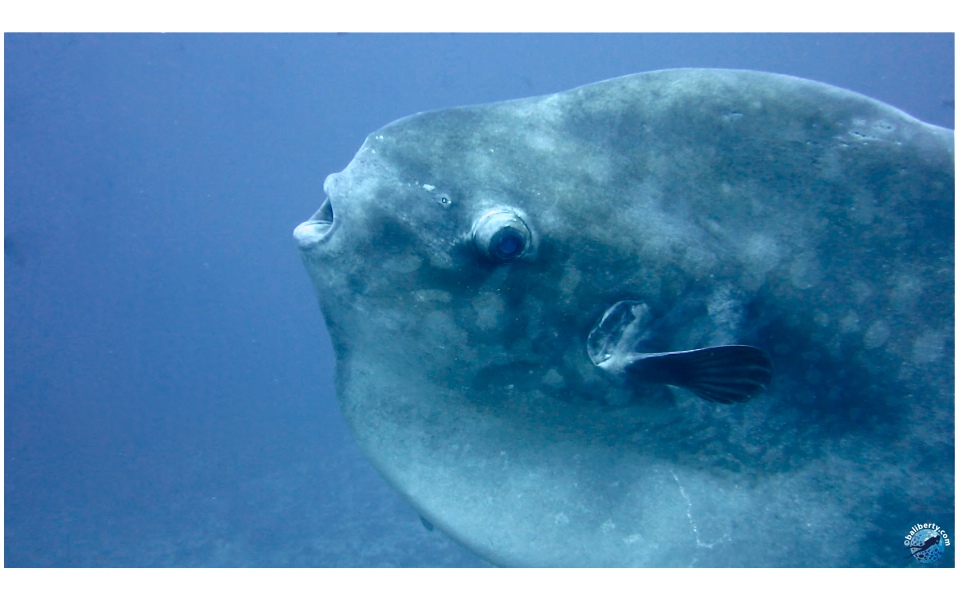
(724, 374)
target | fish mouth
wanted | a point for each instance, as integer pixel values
(318, 228)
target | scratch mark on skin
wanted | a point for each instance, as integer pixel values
(693, 523)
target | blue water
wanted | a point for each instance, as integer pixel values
(168, 379)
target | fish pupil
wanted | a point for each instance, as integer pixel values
(509, 244)
(501, 236)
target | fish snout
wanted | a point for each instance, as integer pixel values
(318, 228)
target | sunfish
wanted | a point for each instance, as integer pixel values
(687, 317)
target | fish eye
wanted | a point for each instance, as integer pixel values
(501, 236)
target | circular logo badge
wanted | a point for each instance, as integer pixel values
(926, 544)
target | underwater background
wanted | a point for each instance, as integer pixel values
(168, 394)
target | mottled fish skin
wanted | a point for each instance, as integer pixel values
(508, 287)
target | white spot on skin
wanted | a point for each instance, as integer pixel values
(489, 307)
(904, 292)
(725, 312)
(929, 346)
(863, 209)
(876, 335)
(850, 323)
(804, 272)
(553, 379)
(862, 291)
(402, 264)
(569, 281)
(440, 296)
(762, 254)
(441, 260)
(429, 187)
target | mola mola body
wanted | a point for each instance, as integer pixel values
(689, 317)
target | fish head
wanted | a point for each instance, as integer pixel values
(448, 248)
